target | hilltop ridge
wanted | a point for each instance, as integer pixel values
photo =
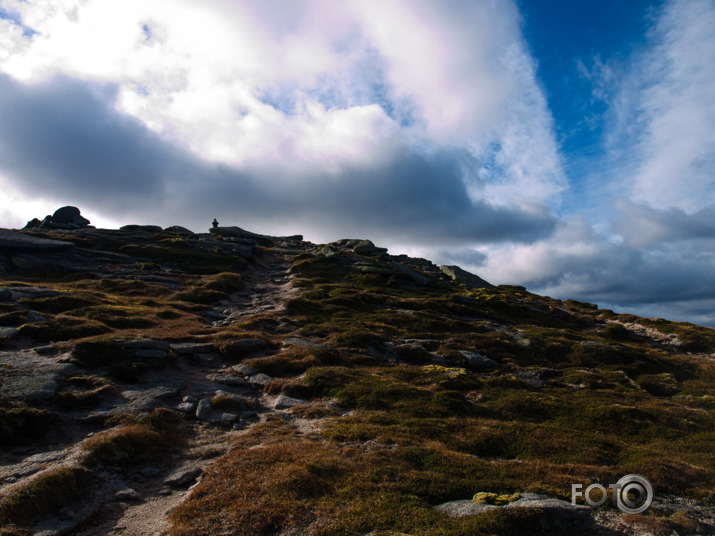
(253, 384)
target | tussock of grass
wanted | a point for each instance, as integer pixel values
(21, 424)
(62, 328)
(45, 495)
(136, 442)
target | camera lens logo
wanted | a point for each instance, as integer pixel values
(633, 494)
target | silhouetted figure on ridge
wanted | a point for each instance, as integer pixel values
(215, 223)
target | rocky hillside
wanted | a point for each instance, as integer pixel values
(157, 381)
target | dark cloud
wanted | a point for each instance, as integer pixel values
(64, 140)
(641, 225)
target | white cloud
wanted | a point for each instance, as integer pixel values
(675, 84)
(311, 83)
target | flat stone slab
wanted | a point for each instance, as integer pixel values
(553, 508)
(27, 375)
(286, 402)
(16, 240)
(260, 379)
(182, 476)
(463, 508)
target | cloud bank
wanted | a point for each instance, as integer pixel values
(420, 125)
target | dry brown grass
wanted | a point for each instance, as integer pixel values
(44, 495)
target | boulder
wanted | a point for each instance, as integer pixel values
(69, 216)
(203, 411)
(259, 380)
(34, 223)
(465, 278)
(178, 229)
(475, 360)
(145, 228)
(182, 476)
(287, 402)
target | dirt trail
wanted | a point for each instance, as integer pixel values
(267, 288)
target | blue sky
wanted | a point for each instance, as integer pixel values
(565, 146)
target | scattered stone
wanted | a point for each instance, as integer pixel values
(147, 398)
(465, 278)
(260, 379)
(229, 380)
(186, 407)
(244, 369)
(203, 410)
(190, 399)
(183, 476)
(240, 425)
(127, 494)
(48, 349)
(478, 361)
(286, 402)
(228, 418)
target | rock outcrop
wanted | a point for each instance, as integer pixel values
(68, 217)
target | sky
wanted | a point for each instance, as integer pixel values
(565, 146)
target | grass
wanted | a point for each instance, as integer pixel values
(20, 424)
(44, 495)
(136, 441)
(574, 397)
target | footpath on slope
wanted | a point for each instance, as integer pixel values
(137, 501)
